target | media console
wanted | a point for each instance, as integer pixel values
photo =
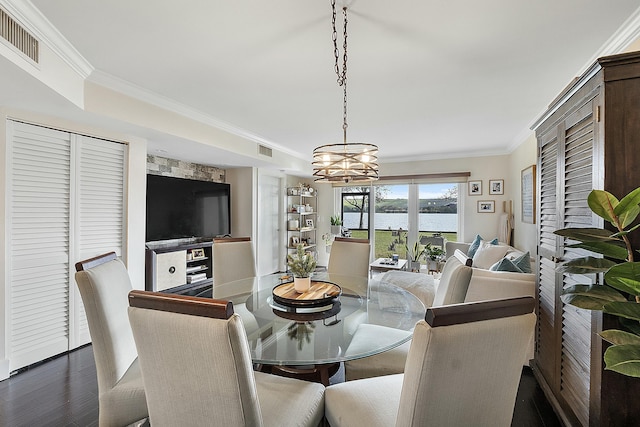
(181, 266)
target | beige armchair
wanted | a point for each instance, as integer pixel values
(233, 259)
(104, 285)
(463, 369)
(197, 371)
(349, 257)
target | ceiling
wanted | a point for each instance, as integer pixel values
(427, 79)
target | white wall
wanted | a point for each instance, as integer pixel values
(243, 183)
(524, 235)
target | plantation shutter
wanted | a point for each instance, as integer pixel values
(576, 323)
(67, 202)
(38, 243)
(547, 251)
(100, 201)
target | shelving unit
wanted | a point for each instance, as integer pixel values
(177, 264)
(301, 218)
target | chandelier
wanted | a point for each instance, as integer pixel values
(349, 161)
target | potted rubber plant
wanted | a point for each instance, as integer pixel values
(301, 264)
(619, 296)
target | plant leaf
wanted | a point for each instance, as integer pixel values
(629, 310)
(586, 234)
(586, 265)
(624, 359)
(628, 209)
(625, 277)
(603, 204)
(631, 325)
(591, 297)
(606, 249)
(618, 337)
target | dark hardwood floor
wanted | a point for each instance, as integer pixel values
(63, 391)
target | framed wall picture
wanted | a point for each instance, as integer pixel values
(309, 223)
(475, 188)
(528, 194)
(496, 186)
(486, 206)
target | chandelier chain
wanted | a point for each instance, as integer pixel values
(342, 74)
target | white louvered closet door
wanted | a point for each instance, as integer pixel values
(38, 243)
(99, 214)
(66, 204)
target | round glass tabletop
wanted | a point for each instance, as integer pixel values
(369, 317)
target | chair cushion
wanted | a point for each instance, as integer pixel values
(421, 285)
(369, 402)
(505, 264)
(289, 402)
(476, 244)
(488, 254)
(385, 363)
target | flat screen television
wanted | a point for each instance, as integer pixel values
(180, 208)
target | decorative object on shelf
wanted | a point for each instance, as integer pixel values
(347, 161)
(301, 264)
(294, 241)
(308, 222)
(197, 253)
(414, 254)
(475, 188)
(486, 206)
(336, 224)
(293, 224)
(619, 276)
(528, 194)
(496, 186)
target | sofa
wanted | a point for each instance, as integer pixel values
(459, 282)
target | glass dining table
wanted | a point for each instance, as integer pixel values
(310, 341)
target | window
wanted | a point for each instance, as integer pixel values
(402, 214)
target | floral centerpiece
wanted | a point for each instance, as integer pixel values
(301, 264)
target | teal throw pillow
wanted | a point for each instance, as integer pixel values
(505, 264)
(476, 244)
(523, 262)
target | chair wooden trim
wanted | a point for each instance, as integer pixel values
(454, 314)
(351, 240)
(183, 304)
(231, 239)
(95, 261)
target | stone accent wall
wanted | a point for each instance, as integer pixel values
(157, 165)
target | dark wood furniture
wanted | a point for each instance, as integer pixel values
(588, 139)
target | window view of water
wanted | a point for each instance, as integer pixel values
(443, 222)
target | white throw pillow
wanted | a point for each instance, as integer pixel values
(488, 254)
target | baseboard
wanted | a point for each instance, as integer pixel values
(4, 369)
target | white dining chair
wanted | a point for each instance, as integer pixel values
(463, 369)
(104, 285)
(349, 257)
(196, 364)
(233, 259)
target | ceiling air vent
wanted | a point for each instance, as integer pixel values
(13, 32)
(265, 151)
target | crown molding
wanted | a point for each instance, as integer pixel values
(141, 94)
(38, 25)
(442, 156)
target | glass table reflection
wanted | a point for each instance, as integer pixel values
(279, 335)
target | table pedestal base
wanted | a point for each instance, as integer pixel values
(314, 373)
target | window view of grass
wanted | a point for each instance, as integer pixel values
(437, 213)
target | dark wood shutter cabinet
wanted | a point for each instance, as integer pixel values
(589, 138)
